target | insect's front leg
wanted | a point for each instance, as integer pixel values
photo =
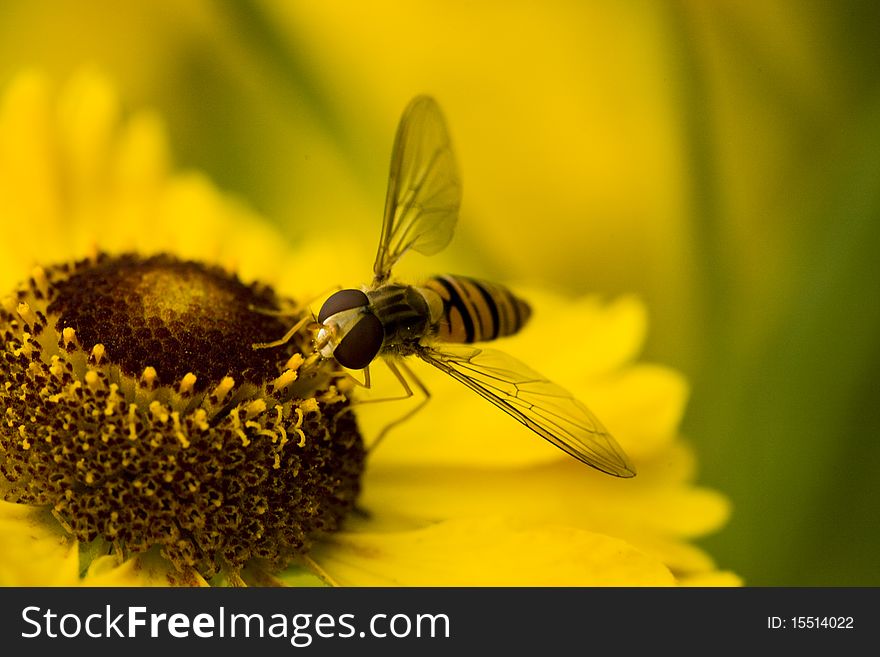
(271, 312)
(293, 330)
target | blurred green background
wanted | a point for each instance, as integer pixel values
(722, 160)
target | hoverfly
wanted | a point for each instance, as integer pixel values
(395, 320)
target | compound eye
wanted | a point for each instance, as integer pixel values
(342, 300)
(361, 344)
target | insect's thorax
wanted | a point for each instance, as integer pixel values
(448, 308)
(407, 314)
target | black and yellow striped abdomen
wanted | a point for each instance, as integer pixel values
(476, 311)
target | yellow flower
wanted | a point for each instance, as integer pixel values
(459, 495)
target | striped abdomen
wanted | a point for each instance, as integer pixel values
(476, 311)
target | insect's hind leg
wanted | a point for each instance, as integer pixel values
(402, 371)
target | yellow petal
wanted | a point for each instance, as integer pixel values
(195, 220)
(142, 570)
(714, 578)
(33, 549)
(296, 576)
(487, 552)
(564, 491)
(29, 186)
(579, 338)
(142, 160)
(642, 406)
(680, 557)
(88, 118)
(317, 265)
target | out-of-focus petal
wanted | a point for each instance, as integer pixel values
(488, 552)
(34, 550)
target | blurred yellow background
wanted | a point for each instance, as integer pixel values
(719, 159)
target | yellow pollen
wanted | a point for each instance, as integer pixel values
(255, 407)
(178, 430)
(287, 377)
(297, 427)
(200, 419)
(40, 280)
(221, 391)
(93, 381)
(132, 421)
(25, 312)
(25, 443)
(158, 411)
(56, 368)
(68, 336)
(26, 347)
(148, 377)
(294, 362)
(236, 424)
(187, 383)
(97, 355)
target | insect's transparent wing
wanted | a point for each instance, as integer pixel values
(424, 189)
(544, 407)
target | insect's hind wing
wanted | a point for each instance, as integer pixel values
(543, 406)
(424, 188)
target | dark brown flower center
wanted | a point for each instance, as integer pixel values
(138, 411)
(176, 316)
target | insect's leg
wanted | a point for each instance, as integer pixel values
(293, 330)
(399, 369)
(407, 393)
(281, 313)
(366, 383)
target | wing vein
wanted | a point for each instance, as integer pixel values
(548, 410)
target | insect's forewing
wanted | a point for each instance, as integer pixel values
(544, 407)
(424, 189)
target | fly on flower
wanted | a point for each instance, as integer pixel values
(395, 320)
